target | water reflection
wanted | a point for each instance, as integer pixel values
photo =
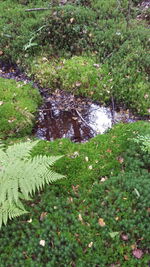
(54, 122)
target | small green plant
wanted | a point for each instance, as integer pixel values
(21, 176)
(69, 27)
(144, 142)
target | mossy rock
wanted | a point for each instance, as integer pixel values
(19, 102)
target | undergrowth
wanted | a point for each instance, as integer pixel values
(18, 105)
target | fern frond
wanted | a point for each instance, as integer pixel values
(21, 176)
(10, 211)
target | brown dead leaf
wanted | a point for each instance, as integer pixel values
(148, 210)
(75, 188)
(137, 253)
(70, 200)
(134, 246)
(120, 159)
(101, 222)
(1, 53)
(109, 150)
(124, 237)
(43, 215)
(126, 257)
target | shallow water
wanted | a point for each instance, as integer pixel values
(79, 120)
(65, 116)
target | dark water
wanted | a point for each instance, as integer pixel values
(65, 116)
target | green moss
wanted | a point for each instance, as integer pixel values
(66, 215)
(121, 78)
(18, 105)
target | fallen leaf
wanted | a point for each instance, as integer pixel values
(90, 244)
(72, 20)
(103, 179)
(1, 53)
(86, 159)
(109, 150)
(124, 237)
(80, 217)
(120, 159)
(90, 167)
(146, 96)
(148, 210)
(30, 220)
(126, 257)
(75, 188)
(70, 199)
(101, 222)
(96, 65)
(78, 84)
(137, 253)
(42, 243)
(133, 246)
(43, 215)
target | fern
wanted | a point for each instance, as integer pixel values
(21, 176)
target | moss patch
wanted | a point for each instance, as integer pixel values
(97, 216)
(19, 102)
(124, 80)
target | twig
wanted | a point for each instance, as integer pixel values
(129, 13)
(85, 122)
(113, 109)
(36, 9)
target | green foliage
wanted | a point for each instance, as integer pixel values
(106, 9)
(67, 216)
(21, 176)
(69, 27)
(19, 102)
(144, 142)
(17, 30)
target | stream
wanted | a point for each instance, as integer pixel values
(63, 115)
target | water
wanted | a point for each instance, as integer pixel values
(65, 116)
(79, 120)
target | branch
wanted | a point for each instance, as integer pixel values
(36, 9)
(95, 132)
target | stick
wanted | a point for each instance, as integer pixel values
(113, 109)
(36, 9)
(85, 121)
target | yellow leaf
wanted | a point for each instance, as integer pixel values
(101, 222)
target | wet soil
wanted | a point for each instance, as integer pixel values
(64, 115)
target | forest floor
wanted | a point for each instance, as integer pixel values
(77, 76)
